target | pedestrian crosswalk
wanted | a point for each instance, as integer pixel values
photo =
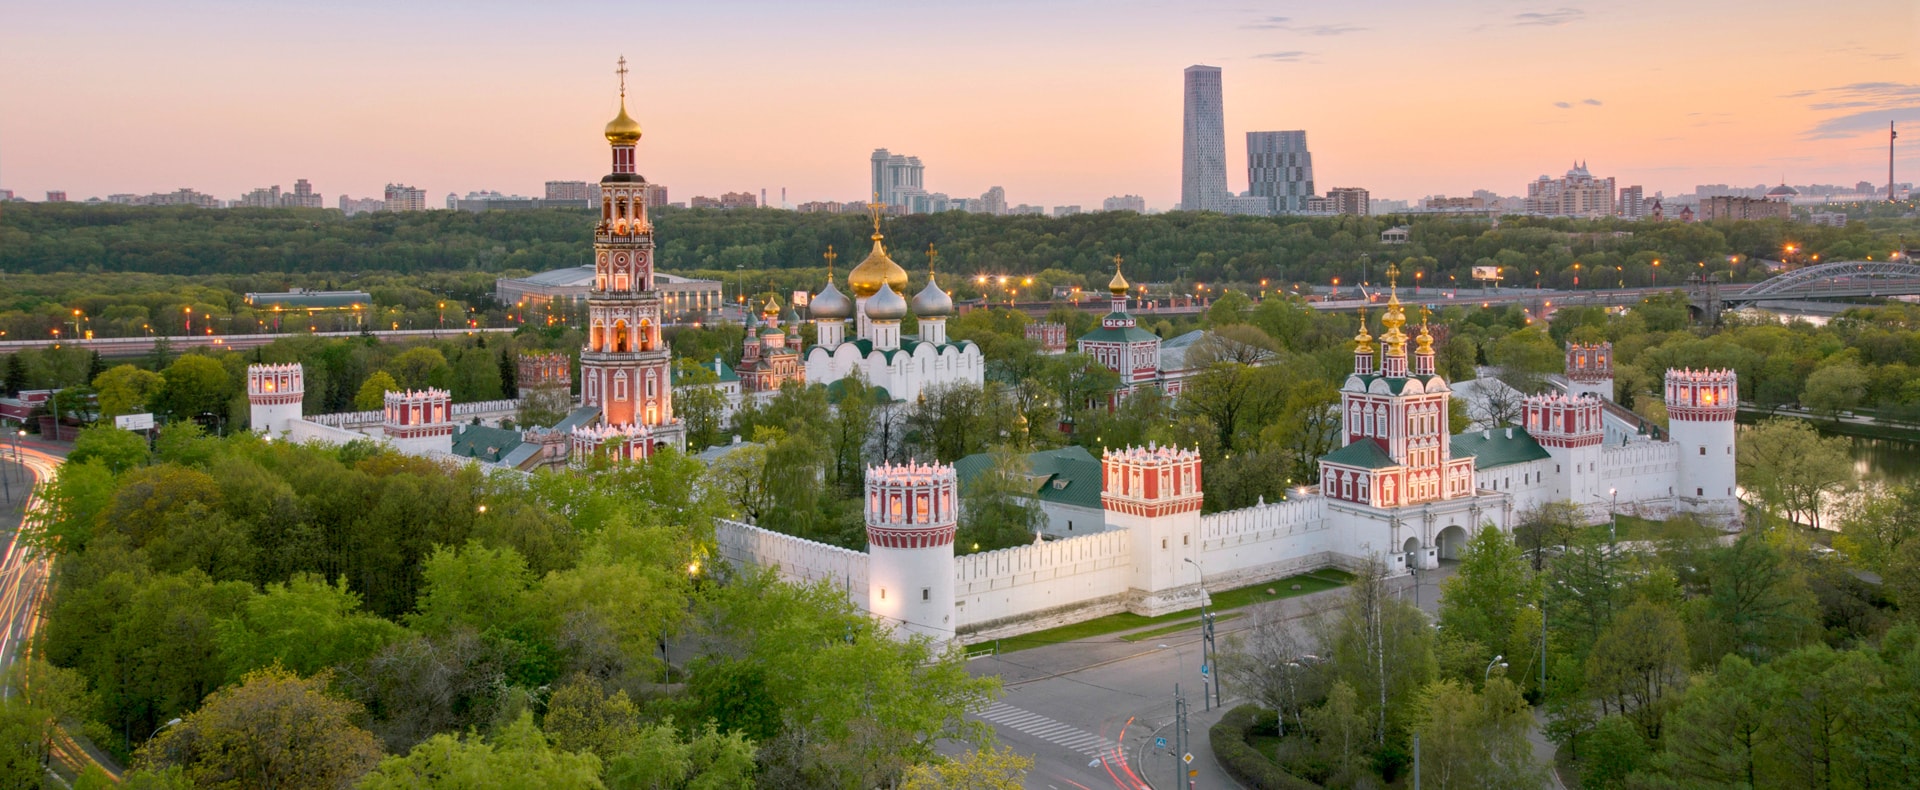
(1003, 715)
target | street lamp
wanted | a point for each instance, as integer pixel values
(1209, 655)
(1497, 661)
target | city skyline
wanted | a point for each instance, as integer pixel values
(1059, 106)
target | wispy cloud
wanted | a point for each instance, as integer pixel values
(1289, 56)
(1554, 18)
(1563, 105)
(1867, 106)
(1289, 25)
(1567, 105)
(1590, 102)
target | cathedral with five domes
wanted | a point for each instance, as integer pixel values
(905, 366)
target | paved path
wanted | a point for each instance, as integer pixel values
(1089, 712)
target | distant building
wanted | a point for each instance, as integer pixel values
(487, 200)
(1247, 205)
(1065, 211)
(1280, 168)
(262, 197)
(1052, 338)
(1385, 206)
(303, 196)
(56, 196)
(1133, 203)
(1736, 208)
(1203, 163)
(1831, 219)
(401, 197)
(1633, 203)
(738, 200)
(1026, 210)
(702, 201)
(1350, 200)
(179, 197)
(1444, 203)
(656, 194)
(994, 201)
(577, 191)
(6, 195)
(1578, 194)
(1398, 234)
(303, 300)
(896, 177)
(351, 206)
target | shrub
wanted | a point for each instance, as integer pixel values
(1251, 768)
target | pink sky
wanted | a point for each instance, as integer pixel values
(1059, 102)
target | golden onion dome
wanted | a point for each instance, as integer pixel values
(877, 270)
(1364, 339)
(623, 129)
(1426, 338)
(1118, 286)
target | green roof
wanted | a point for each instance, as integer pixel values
(1067, 476)
(1395, 385)
(1494, 448)
(1131, 334)
(723, 370)
(484, 443)
(1364, 454)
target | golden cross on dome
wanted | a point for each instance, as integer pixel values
(874, 209)
(830, 256)
(931, 254)
(622, 71)
(1424, 312)
(1393, 275)
(1116, 263)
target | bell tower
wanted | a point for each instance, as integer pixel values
(625, 368)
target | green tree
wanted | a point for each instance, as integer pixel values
(1001, 510)
(518, 758)
(1835, 388)
(472, 587)
(1382, 647)
(1639, 665)
(274, 729)
(421, 367)
(1792, 470)
(1758, 605)
(118, 450)
(1486, 597)
(1615, 752)
(1475, 740)
(982, 769)
(373, 392)
(195, 385)
(1715, 735)
(1873, 534)
(304, 625)
(125, 389)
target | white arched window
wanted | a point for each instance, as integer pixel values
(620, 386)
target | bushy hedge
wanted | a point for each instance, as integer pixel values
(1251, 768)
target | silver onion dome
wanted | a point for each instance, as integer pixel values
(886, 304)
(831, 304)
(932, 302)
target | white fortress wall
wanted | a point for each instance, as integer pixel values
(1528, 484)
(1027, 588)
(490, 412)
(1644, 474)
(313, 431)
(798, 560)
(1071, 521)
(1239, 547)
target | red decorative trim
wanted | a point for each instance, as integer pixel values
(419, 432)
(1152, 509)
(282, 398)
(1701, 413)
(919, 537)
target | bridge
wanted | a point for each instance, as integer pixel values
(136, 346)
(1836, 280)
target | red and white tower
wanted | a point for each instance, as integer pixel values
(1700, 411)
(1121, 345)
(912, 514)
(1590, 369)
(275, 392)
(1396, 447)
(615, 442)
(419, 422)
(1570, 430)
(625, 368)
(1155, 494)
(541, 371)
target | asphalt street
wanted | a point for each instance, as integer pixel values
(1090, 712)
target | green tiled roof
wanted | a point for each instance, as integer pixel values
(723, 371)
(1395, 385)
(484, 443)
(1132, 334)
(1364, 454)
(1068, 476)
(1494, 449)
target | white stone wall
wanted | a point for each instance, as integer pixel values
(1528, 484)
(310, 431)
(1644, 473)
(798, 560)
(1240, 547)
(1026, 588)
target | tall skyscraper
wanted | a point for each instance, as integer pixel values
(896, 177)
(1280, 168)
(1203, 163)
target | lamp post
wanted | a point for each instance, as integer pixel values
(1208, 655)
(1499, 661)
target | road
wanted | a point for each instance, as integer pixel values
(24, 573)
(1088, 712)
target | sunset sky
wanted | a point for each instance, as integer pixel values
(1059, 102)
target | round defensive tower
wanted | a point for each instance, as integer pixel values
(1700, 411)
(275, 392)
(912, 513)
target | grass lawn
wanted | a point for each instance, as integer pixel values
(1636, 528)
(1316, 581)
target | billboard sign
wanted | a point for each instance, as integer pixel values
(134, 422)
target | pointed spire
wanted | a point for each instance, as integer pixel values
(830, 256)
(931, 255)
